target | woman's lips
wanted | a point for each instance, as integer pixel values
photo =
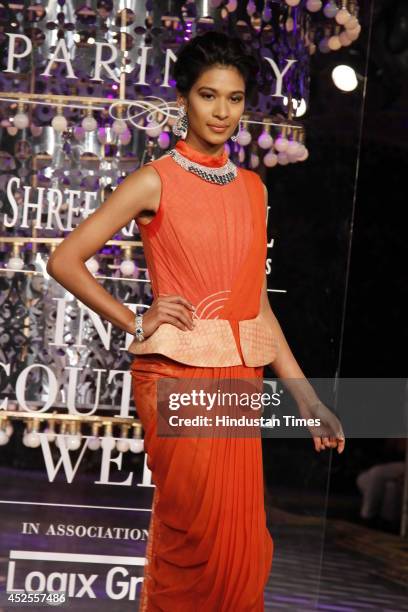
(217, 129)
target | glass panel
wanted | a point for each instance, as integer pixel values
(311, 214)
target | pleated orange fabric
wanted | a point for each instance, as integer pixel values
(208, 548)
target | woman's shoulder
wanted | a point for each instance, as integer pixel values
(251, 174)
(162, 159)
(247, 172)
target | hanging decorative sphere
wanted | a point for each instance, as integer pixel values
(342, 16)
(344, 39)
(270, 160)
(294, 148)
(122, 445)
(265, 140)
(92, 265)
(281, 144)
(119, 126)
(254, 160)
(231, 6)
(127, 267)
(89, 124)
(351, 23)
(60, 442)
(73, 441)
(94, 443)
(244, 137)
(51, 435)
(164, 140)
(334, 43)
(312, 49)
(79, 133)
(15, 263)
(108, 442)
(267, 13)
(136, 445)
(125, 137)
(354, 33)
(59, 123)
(292, 2)
(154, 129)
(324, 45)
(251, 8)
(302, 150)
(102, 135)
(32, 440)
(21, 120)
(36, 130)
(293, 156)
(330, 9)
(314, 5)
(304, 156)
(283, 159)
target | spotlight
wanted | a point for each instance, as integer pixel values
(344, 77)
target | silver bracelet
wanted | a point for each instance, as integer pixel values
(139, 328)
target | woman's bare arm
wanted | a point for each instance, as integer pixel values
(285, 364)
(288, 370)
(138, 191)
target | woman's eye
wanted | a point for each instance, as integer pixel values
(208, 95)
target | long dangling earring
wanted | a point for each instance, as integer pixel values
(181, 126)
(235, 136)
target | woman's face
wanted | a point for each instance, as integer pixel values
(217, 98)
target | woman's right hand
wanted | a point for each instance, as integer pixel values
(173, 309)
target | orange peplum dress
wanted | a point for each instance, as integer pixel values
(208, 549)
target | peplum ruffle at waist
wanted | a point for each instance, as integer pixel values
(212, 344)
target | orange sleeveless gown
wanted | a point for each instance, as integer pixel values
(208, 549)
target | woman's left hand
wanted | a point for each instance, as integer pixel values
(330, 428)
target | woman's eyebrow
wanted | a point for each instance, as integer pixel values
(212, 89)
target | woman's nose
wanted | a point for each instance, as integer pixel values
(221, 109)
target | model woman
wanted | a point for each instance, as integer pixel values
(203, 224)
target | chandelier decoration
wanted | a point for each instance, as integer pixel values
(114, 105)
(71, 430)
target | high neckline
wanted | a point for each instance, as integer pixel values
(191, 153)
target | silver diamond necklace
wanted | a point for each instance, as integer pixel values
(220, 175)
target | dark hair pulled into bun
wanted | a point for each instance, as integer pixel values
(210, 49)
